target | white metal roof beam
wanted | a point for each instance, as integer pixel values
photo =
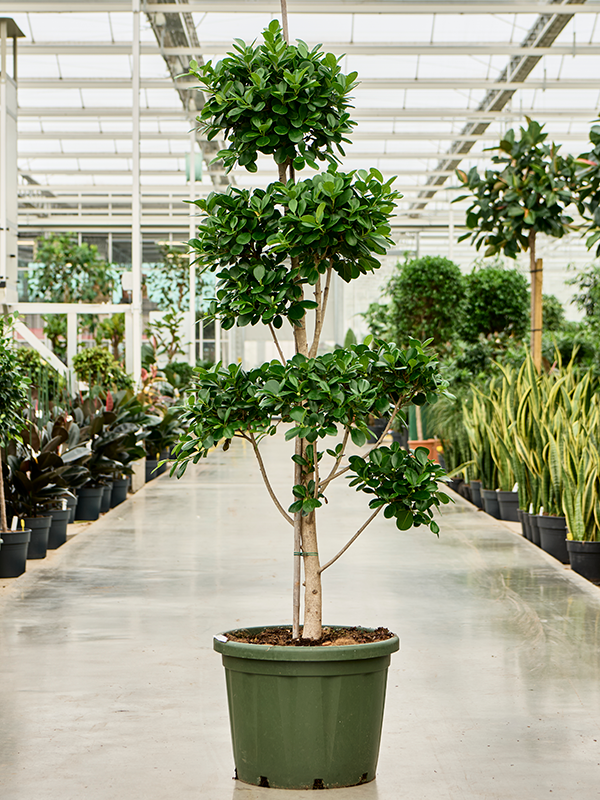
(544, 31)
(299, 7)
(422, 84)
(351, 48)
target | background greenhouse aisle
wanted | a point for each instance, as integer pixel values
(110, 687)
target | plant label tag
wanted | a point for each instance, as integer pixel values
(221, 638)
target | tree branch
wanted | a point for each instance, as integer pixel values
(353, 539)
(338, 460)
(277, 345)
(320, 315)
(263, 472)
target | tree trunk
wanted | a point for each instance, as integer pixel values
(312, 580)
(537, 276)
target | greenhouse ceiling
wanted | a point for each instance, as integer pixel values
(440, 83)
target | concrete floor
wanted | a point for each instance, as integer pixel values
(109, 687)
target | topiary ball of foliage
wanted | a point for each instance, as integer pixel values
(278, 99)
(497, 301)
(97, 367)
(426, 299)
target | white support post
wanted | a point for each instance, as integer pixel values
(72, 345)
(451, 230)
(3, 155)
(136, 222)
(192, 326)
(217, 341)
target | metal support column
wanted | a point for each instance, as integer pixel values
(72, 344)
(135, 345)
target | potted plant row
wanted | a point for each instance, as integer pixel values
(275, 252)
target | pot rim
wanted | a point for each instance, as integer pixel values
(266, 652)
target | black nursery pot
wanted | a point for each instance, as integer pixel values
(521, 515)
(72, 505)
(585, 559)
(40, 531)
(13, 553)
(106, 495)
(58, 527)
(119, 491)
(490, 502)
(88, 502)
(526, 520)
(553, 537)
(534, 527)
(509, 506)
(476, 494)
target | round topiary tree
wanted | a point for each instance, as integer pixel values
(496, 301)
(426, 299)
(13, 397)
(275, 251)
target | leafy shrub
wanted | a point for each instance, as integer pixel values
(497, 300)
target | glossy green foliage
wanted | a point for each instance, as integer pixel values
(528, 192)
(404, 483)
(97, 366)
(332, 221)
(35, 483)
(426, 299)
(276, 99)
(588, 200)
(496, 301)
(13, 386)
(315, 395)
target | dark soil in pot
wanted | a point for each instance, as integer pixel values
(13, 553)
(553, 537)
(119, 491)
(89, 499)
(490, 502)
(585, 559)
(40, 531)
(476, 494)
(282, 637)
(58, 527)
(106, 495)
(508, 503)
(305, 717)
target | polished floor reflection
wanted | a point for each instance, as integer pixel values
(110, 689)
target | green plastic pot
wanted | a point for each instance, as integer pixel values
(305, 717)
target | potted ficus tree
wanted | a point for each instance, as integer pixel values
(13, 397)
(275, 252)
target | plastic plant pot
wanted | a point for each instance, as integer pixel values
(476, 493)
(13, 553)
(151, 471)
(509, 506)
(305, 717)
(585, 559)
(535, 531)
(72, 505)
(106, 495)
(88, 502)
(490, 502)
(58, 527)
(119, 491)
(553, 537)
(40, 531)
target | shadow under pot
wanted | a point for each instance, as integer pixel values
(119, 491)
(509, 506)
(88, 502)
(58, 527)
(585, 559)
(490, 502)
(476, 493)
(553, 537)
(13, 553)
(40, 531)
(106, 495)
(534, 527)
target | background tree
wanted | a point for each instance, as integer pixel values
(13, 397)
(527, 195)
(496, 301)
(553, 313)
